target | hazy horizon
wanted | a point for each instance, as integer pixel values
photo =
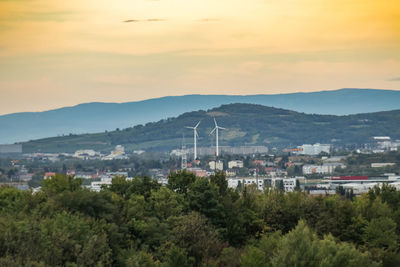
(160, 97)
(55, 54)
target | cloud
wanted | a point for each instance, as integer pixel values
(40, 16)
(396, 79)
(209, 20)
(144, 20)
(159, 20)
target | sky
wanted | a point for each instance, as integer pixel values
(61, 53)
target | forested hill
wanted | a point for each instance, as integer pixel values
(98, 117)
(246, 124)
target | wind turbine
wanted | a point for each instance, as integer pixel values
(195, 136)
(216, 134)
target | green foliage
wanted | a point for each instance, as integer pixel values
(9, 198)
(302, 247)
(194, 222)
(61, 183)
(219, 179)
(177, 256)
(181, 181)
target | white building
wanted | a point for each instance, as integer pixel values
(105, 181)
(234, 182)
(85, 154)
(83, 175)
(289, 184)
(359, 188)
(380, 165)
(117, 153)
(216, 165)
(327, 168)
(96, 186)
(235, 164)
(313, 149)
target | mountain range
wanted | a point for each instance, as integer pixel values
(98, 117)
(246, 124)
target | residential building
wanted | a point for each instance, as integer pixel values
(235, 164)
(326, 168)
(216, 165)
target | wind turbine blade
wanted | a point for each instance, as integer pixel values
(189, 127)
(222, 128)
(197, 124)
(213, 130)
(197, 135)
(216, 125)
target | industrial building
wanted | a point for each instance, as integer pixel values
(313, 149)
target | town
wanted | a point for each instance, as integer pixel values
(318, 169)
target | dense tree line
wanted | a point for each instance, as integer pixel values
(194, 222)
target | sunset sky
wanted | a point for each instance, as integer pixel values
(61, 53)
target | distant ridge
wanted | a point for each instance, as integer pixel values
(247, 124)
(98, 117)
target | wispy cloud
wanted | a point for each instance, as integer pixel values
(144, 20)
(209, 20)
(396, 79)
(57, 16)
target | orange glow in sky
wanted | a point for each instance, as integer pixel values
(60, 53)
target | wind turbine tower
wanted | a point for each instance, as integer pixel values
(195, 136)
(216, 134)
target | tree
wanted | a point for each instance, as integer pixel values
(177, 256)
(302, 247)
(180, 181)
(381, 238)
(10, 199)
(204, 198)
(219, 179)
(166, 203)
(194, 233)
(61, 183)
(230, 257)
(253, 257)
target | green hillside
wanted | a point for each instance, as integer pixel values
(246, 124)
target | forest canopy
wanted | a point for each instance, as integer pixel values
(194, 222)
